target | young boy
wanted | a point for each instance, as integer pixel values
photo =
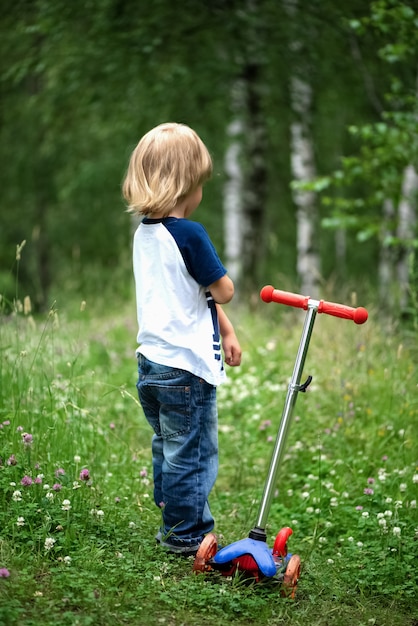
(180, 283)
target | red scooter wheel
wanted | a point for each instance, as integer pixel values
(206, 552)
(291, 576)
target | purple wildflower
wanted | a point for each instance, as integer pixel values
(4, 573)
(59, 472)
(85, 474)
(359, 508)
(370, 481)
(56, 487)
(368, 491)
(27, 439)
(143, 472)
(26, 481)
(11, 460)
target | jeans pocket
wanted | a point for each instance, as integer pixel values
(167, 407)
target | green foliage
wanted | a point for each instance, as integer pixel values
(76, 514)
(354, 193)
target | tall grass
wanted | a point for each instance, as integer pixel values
(77, 521)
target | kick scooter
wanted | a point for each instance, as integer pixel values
(252, 556)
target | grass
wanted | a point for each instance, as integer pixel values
(77, 521)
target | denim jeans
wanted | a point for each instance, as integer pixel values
(181, 409)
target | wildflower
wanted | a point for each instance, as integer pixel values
(388, 501)
(290, 492)
(398, 504)
(365, 514)
(76, 485)
(396, 531)
(112, 426)
(132, 525)
(66, 505)
(413, 504)
(49, 543)
(19, 429)
(388, 513)
(330, 561)
(4, 572)
(402, 487)
(49, 495)
(370, 481)
(56, 486)
(382, 522)
(333, 502)
(359, 508)
(143, 472)
(415, 478)
(17, 496)
(84, 474)
(11, 460)
(368, 491)
(67, 560)
(304, 495)
(100, 513)
(360, 544)
(6, 423)
(20, 521)
(38, 479)
(117, 499)
(26, 481)
(77, 458)
(27, 439)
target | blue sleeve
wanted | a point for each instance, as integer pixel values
(198, 252)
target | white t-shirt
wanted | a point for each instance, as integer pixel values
(174, 262)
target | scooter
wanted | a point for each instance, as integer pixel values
(251, 556)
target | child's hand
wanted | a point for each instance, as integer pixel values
(232, 349)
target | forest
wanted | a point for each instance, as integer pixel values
(309, 110)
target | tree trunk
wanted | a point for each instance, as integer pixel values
(407, 220)
(386, 261)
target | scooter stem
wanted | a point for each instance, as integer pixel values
(258, 532)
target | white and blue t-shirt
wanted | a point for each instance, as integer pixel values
(174, 261)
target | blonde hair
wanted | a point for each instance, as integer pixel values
(168, 163)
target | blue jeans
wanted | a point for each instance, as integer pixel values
(181, 409)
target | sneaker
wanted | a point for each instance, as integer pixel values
(177, 548)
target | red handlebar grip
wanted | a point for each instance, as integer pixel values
(358, 315)
(269, 294)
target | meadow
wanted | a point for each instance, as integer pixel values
(77, 519)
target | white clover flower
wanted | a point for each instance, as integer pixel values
(382, 522)
(67, 560)
(304, 495)
(388, 514)
(49, 495)
(77, 458)
(380, 515)
(398, 504)
(20, 521)
(402, 487)
(49, 543)
(396, 531)
(290, 492)
(46, 486)
(132, 525)
(333, 502)
(389, 500)
(365, 514)
(17, 496)
(322, 540)
(310, 510)
(415, 478)
(12, 484)
(330, 561)
(76, 485)
(350, 539)
(360, 544)
(413, 504)
(66, 505)
(100, 513)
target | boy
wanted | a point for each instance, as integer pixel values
(180, 283)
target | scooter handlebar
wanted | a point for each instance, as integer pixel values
(359, 315)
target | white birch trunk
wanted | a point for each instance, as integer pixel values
(407, 220)
(233, 210)
(303, 169)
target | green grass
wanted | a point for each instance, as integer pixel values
(80, 549)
